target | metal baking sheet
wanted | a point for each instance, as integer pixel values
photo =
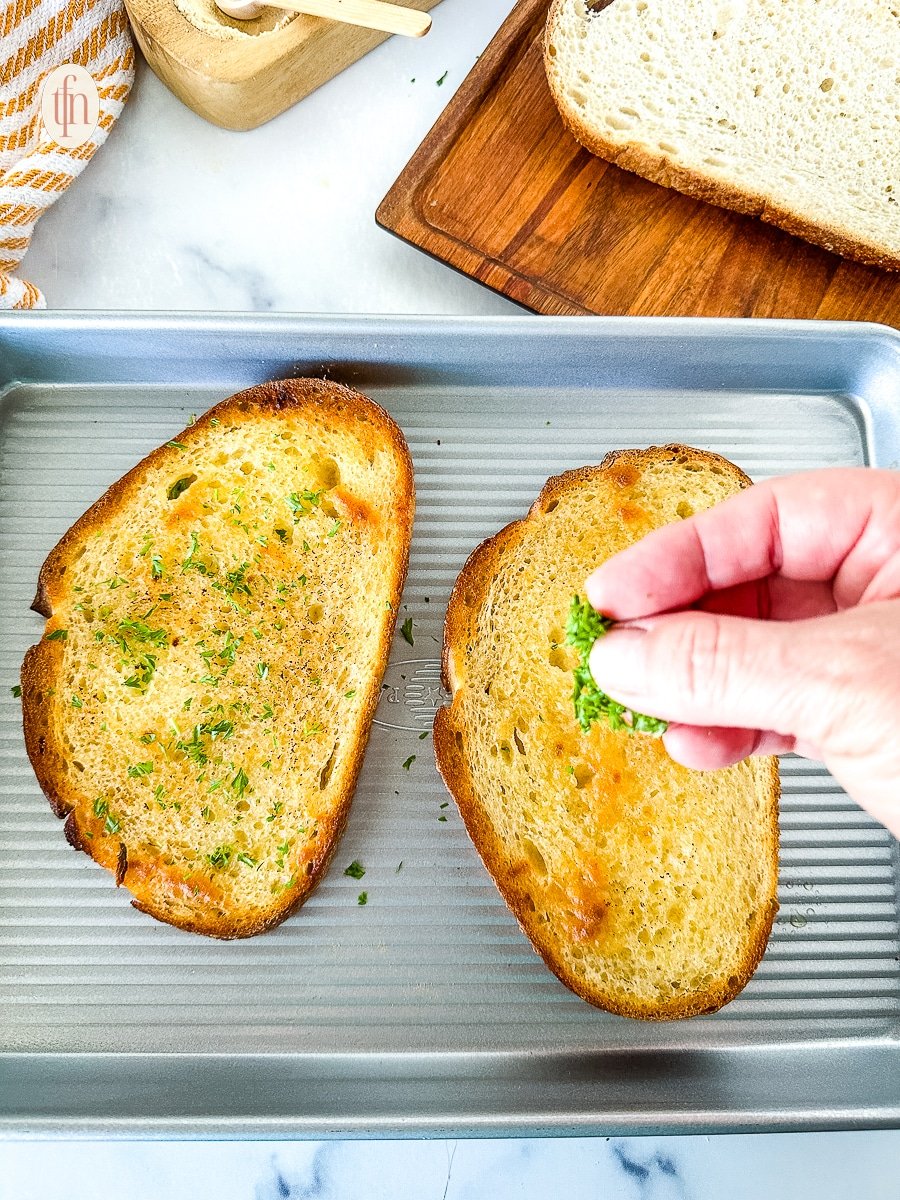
(426, 1012)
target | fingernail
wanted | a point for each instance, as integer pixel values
(617, 660)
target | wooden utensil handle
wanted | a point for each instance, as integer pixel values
(371, 14)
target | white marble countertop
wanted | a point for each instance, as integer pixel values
(175, 213)
(163, 218)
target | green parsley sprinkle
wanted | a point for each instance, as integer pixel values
(362, 898)
(409, 762)
(356, 870)
(220, 857)
(179, 486)
(407, 630)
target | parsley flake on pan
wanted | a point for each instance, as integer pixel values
(356, 870)
(583, 627)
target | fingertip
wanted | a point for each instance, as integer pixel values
(707, 749)
(712, 748)
(594, 590)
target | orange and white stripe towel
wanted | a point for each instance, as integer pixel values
(35, 37)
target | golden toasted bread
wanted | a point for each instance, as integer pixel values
(218, 624)
(648, 888)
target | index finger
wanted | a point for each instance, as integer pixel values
(818, 526)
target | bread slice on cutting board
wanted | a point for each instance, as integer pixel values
(789, 111)
(648, 888)
(218, 624)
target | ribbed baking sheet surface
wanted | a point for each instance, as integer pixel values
(434, 960)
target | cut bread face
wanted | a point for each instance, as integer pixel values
(789, 112)
(648, 888)
(218, 624)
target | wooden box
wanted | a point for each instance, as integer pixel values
(253, 70)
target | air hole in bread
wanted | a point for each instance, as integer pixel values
(684, 509)
(325, 773)
(315, 613)
(534, 857)
(583, 775)
(324, 471)
(180, 485)
(520, 745)
(559, 657)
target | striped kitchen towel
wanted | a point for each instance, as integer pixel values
(35, 37)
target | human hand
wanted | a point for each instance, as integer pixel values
(768, 624)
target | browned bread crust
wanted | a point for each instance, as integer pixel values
(659, 168)
(452, 752)
(199, 904)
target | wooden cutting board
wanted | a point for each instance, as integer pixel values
(501, 190)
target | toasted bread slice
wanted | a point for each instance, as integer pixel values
(649, 889)
(786, 112)
(218, 626)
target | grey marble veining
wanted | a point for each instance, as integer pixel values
(827, 1166)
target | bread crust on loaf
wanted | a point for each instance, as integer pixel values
(658, 168)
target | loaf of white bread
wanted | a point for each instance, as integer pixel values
(785, 109)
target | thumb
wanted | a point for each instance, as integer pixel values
(701, 668)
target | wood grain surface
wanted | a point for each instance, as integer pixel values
(500, 190)
(242, 82)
